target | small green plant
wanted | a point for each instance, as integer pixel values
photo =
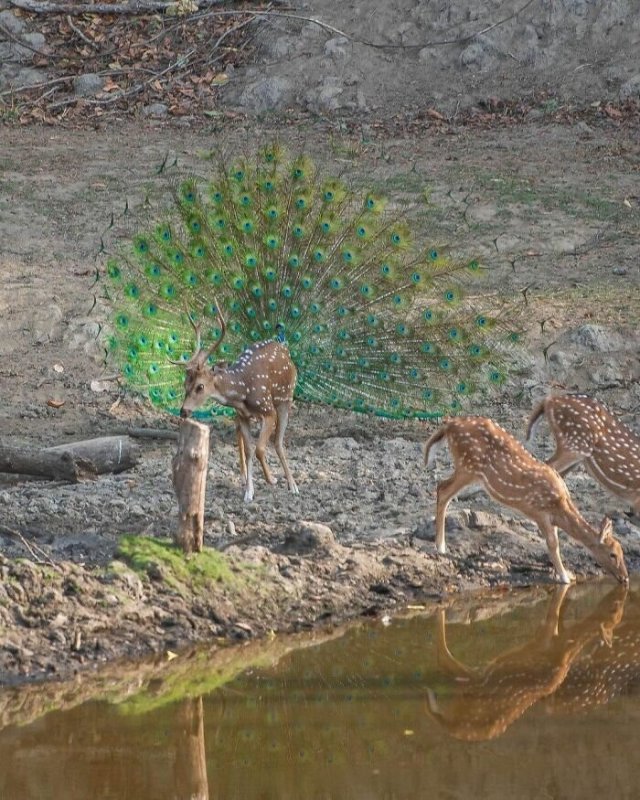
(160, 558)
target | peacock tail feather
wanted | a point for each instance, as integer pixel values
(374, 322)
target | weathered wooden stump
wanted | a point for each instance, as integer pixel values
(189, 475)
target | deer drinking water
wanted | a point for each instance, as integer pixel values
(485, 453)
(587, 432)
(259, 385)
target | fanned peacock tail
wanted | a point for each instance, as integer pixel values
(373, 322)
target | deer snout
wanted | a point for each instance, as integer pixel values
(184, 413)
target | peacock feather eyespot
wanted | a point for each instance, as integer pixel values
(372, 320)
(294, 261)
(398, 300)
(348, 256)
(395, 359)
(296, 337)
(386, 270)
(132, 353)
(307, 282)
(153, 369)
(513, 337)
(473, 265)
(301, 203)
(329, 196)
(255, 335)
(168, 291)
(454, 334)
(228, 249)
(215, 278)
(155, 394)
(245, 200)
(314, 308)
(364, 363)
(287, 291)
(416, 277)
(403, 329)
(238, 175)
(177, 257)
(366, 290)
(371, 341)
(256, 290)
(451, 296)
(141, 245)
(272, 213)
(414, 374)
(272, 304)
(247, 226)
(267, 326)
(251, 260)
(295, 312)
(235, 326)
(153, 270)
(268, 186)
(238, 282)
(174, 338)
(270, 274)
(150, 310)
(344, 335)
(336, 283)
(220, 223)
(194, 225)
(313, 350)
(482, 321)
(496, 377)
(433, 254)
(217, 197)
(234, 306)
(445, 364)
(113, 270)
(164, 233)
(129, 370)
(384, 376)
(319, 255)
(326, 226)
(272, 242)
(455, 406)
(132, 291)
(199, 251)
(191, 279)
(340, 351)
(298, 231)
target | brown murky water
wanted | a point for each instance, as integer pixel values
(527, 695)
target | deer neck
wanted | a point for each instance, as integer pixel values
(230, 388)
(567, 517)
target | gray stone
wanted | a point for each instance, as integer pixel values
(338, 47)
(12, 23)
(630, 90)
(266, 94)
(155, 110)
(594, 337)
(87, 85)
(309, 537)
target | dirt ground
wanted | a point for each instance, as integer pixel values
(550, 202)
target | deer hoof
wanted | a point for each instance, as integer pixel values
(248, 497)
(294, 489)
(566, 578)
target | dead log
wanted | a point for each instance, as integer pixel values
(189, 475)
(73, 462)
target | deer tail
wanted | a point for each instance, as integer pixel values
(434, 443)
(534, 419)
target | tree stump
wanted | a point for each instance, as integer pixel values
(189, 475)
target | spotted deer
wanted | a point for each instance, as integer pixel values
(586, 432)
(480, 703)
(484, 453)
(259, 385)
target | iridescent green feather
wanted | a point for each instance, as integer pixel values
(373, 322)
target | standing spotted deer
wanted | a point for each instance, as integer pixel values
(586, 432)
(485, 453)
(259, 385)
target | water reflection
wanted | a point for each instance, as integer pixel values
(478, 700)
(481, 703)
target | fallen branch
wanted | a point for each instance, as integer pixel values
(77, 9)
(31, 549)
(72, 462)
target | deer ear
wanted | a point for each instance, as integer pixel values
(606, 530)
(220, 367)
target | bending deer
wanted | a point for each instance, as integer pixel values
(259, 385)
(586, 432)
(485, 453)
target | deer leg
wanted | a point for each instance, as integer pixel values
(245, 433)
(550, 533)
(241, 453)
(268, 426)
(446, 491)
(446, 660)
(282, 421)
(564, 460)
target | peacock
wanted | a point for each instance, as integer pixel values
(374, 321)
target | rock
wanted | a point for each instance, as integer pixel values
(155, 110)
(309, 537)
(481, 519)
(87, 85)
(11, 23)
(593, 337)
(266, 94)
(630, 90)
(338, 47)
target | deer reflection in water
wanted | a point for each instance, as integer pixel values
(481, 703)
